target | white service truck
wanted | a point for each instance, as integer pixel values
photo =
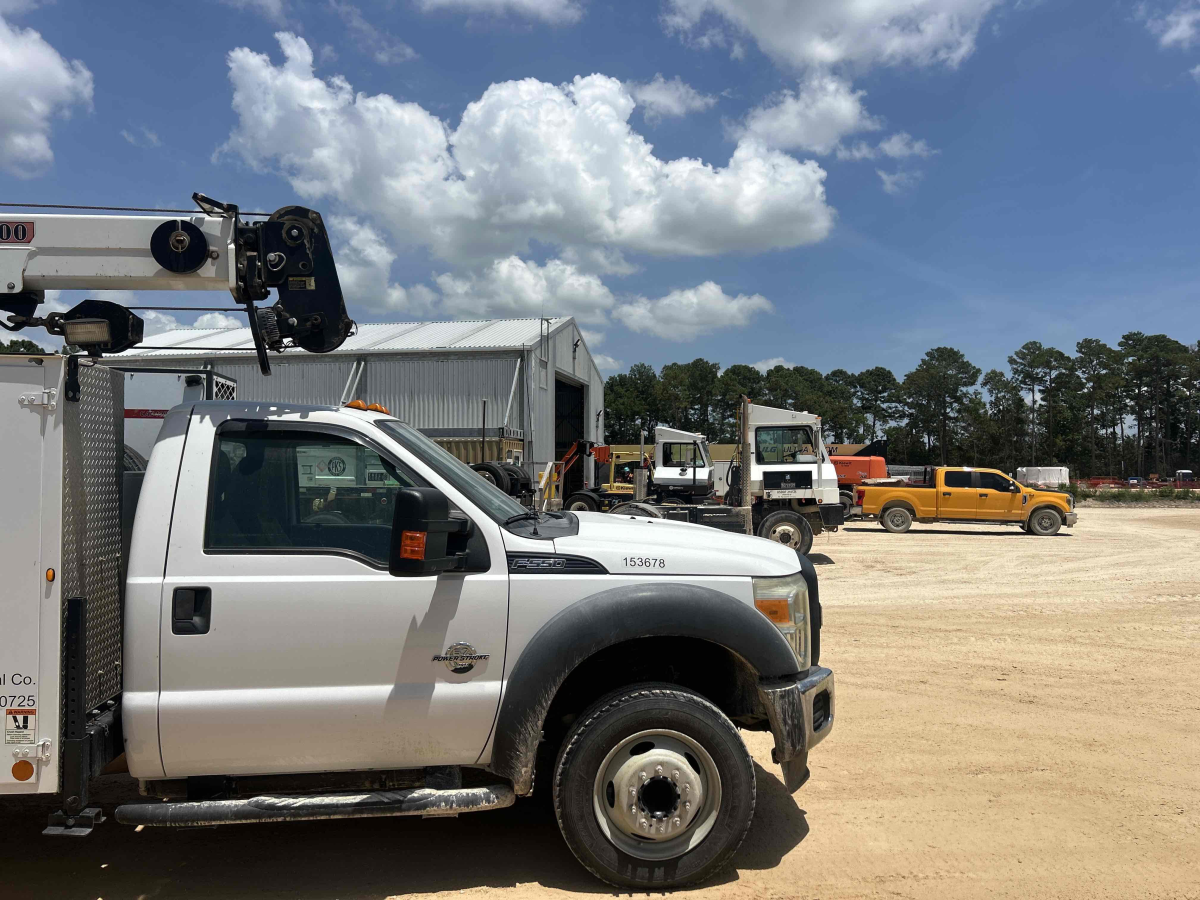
(325, 615)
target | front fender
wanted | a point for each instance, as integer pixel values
(612, 617)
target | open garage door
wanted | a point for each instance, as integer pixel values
(568, 428)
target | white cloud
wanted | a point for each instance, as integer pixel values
(218, 320)
(815, 118)
(144, 138)
(684, 315)
(49, 86)
(606, 363)
(662, 99)
(380, 44)
(556, 12)
(593, 338)
(529, 161)
(364, 264)
(271, 10)
(1195, 72)
(899, 146)
(898, 182)
(820, 34)
(513, 287)
(766, 365)
(1178, 27)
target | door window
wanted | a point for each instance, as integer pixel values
(295, 491)
(784, 445)
(958, 479)
(993, 481)
(682, 455)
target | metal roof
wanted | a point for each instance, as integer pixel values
(484, 334)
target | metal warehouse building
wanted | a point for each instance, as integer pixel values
(541, 388)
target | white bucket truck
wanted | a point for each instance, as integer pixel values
(327, 616)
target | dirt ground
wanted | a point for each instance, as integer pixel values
(1016, 717)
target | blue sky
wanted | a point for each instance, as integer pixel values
(836, 185)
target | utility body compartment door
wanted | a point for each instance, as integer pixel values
(29, 604)
(286, 645)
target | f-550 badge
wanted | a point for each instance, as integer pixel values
(460, 658)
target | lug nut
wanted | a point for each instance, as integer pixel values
(675, 821)
(687, 805)
(658, 770)
(675, 775)
(643, 774)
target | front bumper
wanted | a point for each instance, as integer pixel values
(1070, 519)
(801, 715)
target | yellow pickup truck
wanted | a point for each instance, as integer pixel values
(981, 496)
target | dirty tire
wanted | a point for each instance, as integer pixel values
(897, 520)
(788, 528)
(493, 472)
(638, 510)
(1045, 522)
(665, 716)
(582, 501)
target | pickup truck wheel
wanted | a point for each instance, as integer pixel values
(897, 520)
(788, 528)
(1045, 522)
(654, 788)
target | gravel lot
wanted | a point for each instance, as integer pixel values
(1017, 717)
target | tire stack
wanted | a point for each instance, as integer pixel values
(513, 480)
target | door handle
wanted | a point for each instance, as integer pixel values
(945, 493)
(983, 496)
(191, 610)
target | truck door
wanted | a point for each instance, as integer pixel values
(285, 644)
(957, 496)
(999, 498)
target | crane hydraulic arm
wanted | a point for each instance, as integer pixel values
(212, 249)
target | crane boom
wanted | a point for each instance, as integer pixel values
(212, 249)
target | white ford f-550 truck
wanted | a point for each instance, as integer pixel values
(325, 615)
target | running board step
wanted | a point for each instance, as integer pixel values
(290, 808)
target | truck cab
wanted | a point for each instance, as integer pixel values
(793, 485)
(983, 496)
(327, 616)
(683, 468)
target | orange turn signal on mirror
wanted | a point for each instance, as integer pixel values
(412, 545)
(49, 576)
(774, 609)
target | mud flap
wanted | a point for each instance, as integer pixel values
(795, 772)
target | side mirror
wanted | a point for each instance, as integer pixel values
(421, 526)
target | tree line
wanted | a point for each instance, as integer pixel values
(1133, 409)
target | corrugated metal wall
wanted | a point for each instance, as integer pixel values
(430, 390)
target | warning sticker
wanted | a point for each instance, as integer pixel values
(20, 726)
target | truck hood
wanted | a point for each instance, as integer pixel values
(633, 546)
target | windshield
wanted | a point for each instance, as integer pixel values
(784, 444)
(478, 490)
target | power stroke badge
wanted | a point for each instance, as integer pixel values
(460, 658)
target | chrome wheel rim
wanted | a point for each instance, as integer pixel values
(657, 794)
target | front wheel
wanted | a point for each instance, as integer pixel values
(654, 788)
(582, 501)
(788, 528)
(1045, 522)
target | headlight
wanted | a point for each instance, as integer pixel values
(785, 602)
